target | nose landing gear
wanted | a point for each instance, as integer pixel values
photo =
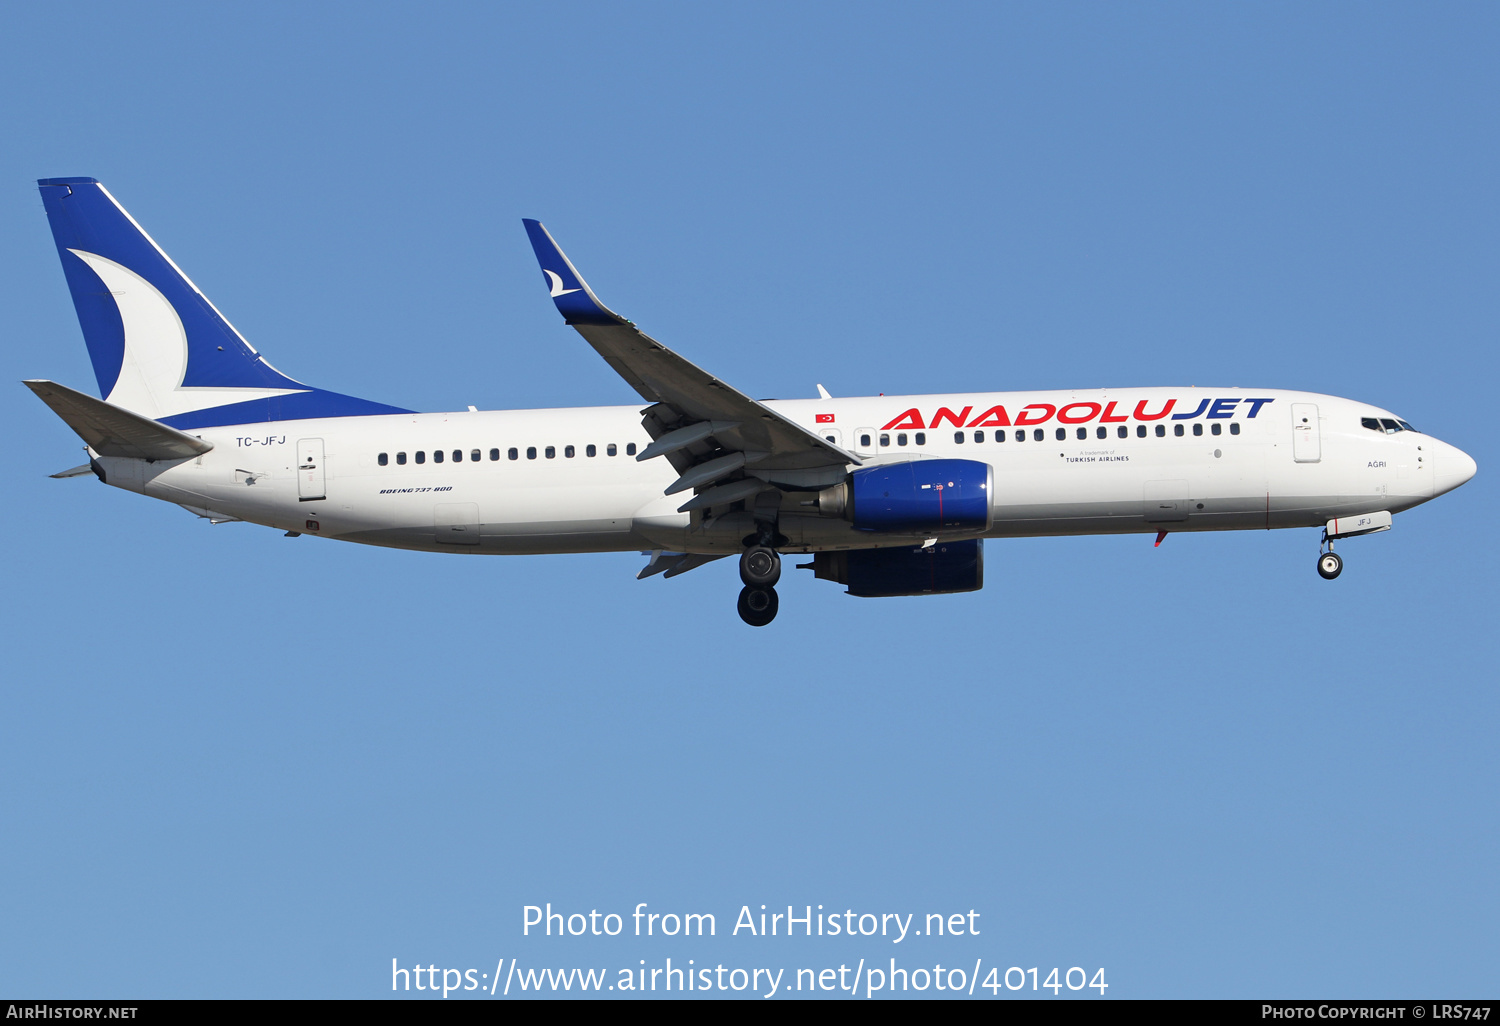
(1329, 563)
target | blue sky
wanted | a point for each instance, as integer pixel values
(233, 764)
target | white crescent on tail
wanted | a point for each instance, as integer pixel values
(156, 352)
(557, 289)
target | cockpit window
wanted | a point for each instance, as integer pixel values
(1369, 422)
(1405, 426)
(1391, 427)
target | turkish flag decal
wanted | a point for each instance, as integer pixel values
(825, 418)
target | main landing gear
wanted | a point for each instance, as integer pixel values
(760, 569)
(757, 606)
(1329, 563)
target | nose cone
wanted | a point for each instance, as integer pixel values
(1451, 468)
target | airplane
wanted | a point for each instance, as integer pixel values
(888, 495)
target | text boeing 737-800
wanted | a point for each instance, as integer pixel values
(891, 495)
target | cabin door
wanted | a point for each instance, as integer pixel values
(310, 470)
(1306, 446)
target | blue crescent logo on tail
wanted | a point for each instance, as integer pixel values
(557, 289)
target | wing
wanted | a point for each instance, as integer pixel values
(724, 445)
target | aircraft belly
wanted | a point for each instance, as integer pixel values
(804, 533)
(510, 539)
(1126, 518)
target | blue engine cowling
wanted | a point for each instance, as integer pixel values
(921, 495)
(943, 568)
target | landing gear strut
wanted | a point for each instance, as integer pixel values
(1329, 563)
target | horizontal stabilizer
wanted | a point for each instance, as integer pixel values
(78, 471)
(111, 431)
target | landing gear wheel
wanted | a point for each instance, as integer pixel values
(758, 606)
(1330, 566)
(760, 567)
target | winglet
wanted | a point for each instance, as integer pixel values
(575, 300)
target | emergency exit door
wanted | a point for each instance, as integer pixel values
(310, 470)
(1306, 445)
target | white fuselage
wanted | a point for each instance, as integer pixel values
(361, 479)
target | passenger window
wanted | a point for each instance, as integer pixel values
(830, 438)
(513, 453)
(1123, 431)
(1140, 431)
(901, 438)
(610, 450)
(1062, 434)
(958, 438)
(1161, 431)
(1102, 432)
(921, 438)
(437, 456)
(630, 449)
(1083, 433)
(864, 441)
(1197, 430)
(591, 451)
(1021, 435)
(999, 436)
(1178, 430)
(474, 456)
(458, 455)
(1369, 422)
(552, 452)
(1234, 429)
(383, 459)
(421, 457)
(1217, 429)
(1039, 434)
(885, 440)
(979, 436)
(568, 452)
(400, 459)
(531, 452)
(495, 455)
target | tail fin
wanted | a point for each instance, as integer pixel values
(158, 346)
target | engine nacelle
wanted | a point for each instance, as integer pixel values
(941, 569)
(915, 496)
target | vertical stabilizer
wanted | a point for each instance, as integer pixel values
(158, 346)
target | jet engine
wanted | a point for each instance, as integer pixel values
(918, 495)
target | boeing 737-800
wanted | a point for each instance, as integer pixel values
(892, 495)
